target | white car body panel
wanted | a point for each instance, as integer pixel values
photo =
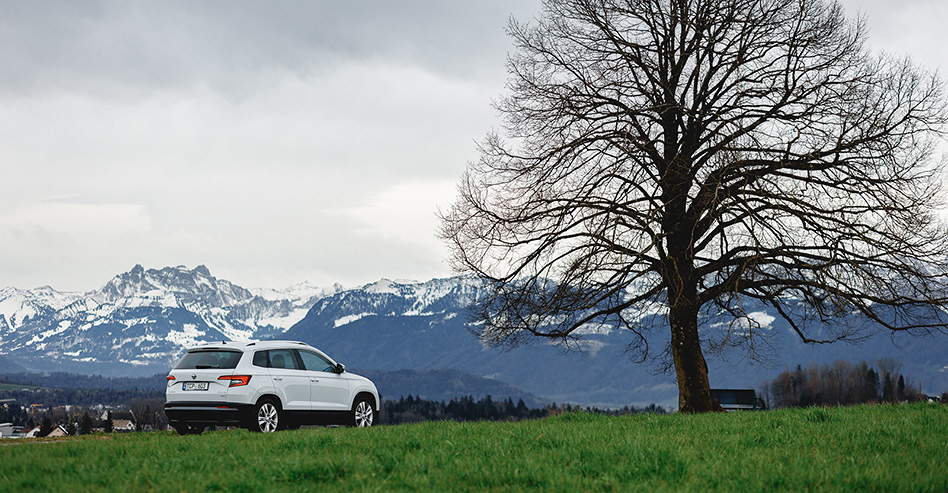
(330, 389)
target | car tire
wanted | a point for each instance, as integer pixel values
(362, 415)
(267, 417)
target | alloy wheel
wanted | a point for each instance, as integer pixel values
(268, 417)
(364, 414)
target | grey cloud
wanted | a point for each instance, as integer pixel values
(231, 46)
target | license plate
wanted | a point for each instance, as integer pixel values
(194, 386)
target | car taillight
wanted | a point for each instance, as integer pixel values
(236, 380)
(169, 377)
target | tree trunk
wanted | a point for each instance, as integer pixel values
(694, 389)
(691, 369)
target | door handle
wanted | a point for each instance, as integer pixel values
(278, 378)
(314, 380)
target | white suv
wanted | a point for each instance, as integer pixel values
(265, 386)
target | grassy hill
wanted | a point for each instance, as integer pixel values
(888, 448)
(15, 386)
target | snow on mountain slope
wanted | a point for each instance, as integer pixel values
(300, 298)
(171, 286)
(143, 318)
(297, 292)
(395, 298)
(18, 307)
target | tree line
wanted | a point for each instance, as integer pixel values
(63, 380)
(840, 384)
(414, 409)
(78, 397)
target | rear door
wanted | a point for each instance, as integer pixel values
(329, 391)
(291, 379)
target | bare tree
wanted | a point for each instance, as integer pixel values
(686, 157)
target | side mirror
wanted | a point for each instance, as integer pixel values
(340, 368)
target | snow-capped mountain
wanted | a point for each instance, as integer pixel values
(438, 297)
(140, 320)
(170, 287)
(18, 307)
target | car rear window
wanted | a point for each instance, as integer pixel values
(200, 359)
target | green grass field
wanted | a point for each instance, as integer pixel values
(884, 448)
(15, 386)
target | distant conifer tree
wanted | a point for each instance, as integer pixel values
(46, 427)
(85, 424)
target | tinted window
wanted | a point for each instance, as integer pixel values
(283, 358)
(200, 359)
(315, 362)
(260, 359)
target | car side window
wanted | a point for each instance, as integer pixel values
(315, 362)
(283, 358)
(261, 359)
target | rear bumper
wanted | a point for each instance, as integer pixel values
(207, 413)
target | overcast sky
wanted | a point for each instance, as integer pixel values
(274, 142)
